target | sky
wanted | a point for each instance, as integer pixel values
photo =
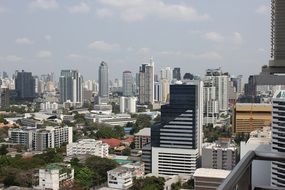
(45, 36)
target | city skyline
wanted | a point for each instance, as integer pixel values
(80, 34)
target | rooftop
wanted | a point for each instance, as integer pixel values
(143, 132)
(211, 173)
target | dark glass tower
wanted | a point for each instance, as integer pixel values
(176, 73)
(25, 85)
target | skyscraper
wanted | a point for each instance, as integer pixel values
(70, 82)
(177, 141)
(25, 85)
(146, 83)
(176, 73)
(166, 74)
(103, 82)
(277, 64)
(278, 138)
(127, 83)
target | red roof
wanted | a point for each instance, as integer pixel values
(112, 142)
(129, 139)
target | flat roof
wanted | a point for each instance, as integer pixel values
(211, 173)
(144, 132)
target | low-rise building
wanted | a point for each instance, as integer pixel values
(221, 154)
(56, 176)
(88, 146)
(209, 179)
(142, 138)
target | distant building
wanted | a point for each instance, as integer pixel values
(49, 106)
(249, 117)
(41, 139)
(25, 85)
(219, 155)
(176, 74)
(56, 177)
(5, 98)
(209, 179)
(142, 138)
(146, 83)
(211, 109)
(88, 146)
(70, 83)
(128, 104)
(103, 83)
(166, 74)
(128, 83)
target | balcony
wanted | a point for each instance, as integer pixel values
(240, 177)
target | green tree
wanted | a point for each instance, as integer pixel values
(3, 150)
(119, 131)
(148, 183)
(126, 152)
(84, 177)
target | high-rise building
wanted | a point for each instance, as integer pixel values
(211, 110)
(161, 91)
(25, 85)
(5, 98)
(146, 83)
(103, 82)
(176, 73)
(220, 81)
(278, 138)
(277, 64)
(177, 140)
(127, 83)
(70, 83)
(166, 74)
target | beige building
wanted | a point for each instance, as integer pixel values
(142, 138)
(249, 117)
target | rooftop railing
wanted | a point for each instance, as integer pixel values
(240, 177)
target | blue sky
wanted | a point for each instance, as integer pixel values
(49, 35)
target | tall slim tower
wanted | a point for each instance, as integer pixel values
(127, 83)
(70, 82)
(277, 64)
(176, 73)
(104, 82)
(146, 83)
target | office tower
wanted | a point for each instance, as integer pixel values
(5, 98)
(278, 138)
(25, 85)
(177, 140)
(166, 74)
(161, 91)
(127, 83)
(157, 92)
(221, 154)
(70, 82)
(146, 83)
(5, 75)
(211, 111)
(220, 81)
(277, 62)
(248, 117)
(176, 73)
(103, 82)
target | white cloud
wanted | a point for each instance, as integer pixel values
(44, 4)
(263, 9)
(136, 10)
(3, 10)
(214, 36)
(144, 51)
(47, 37)
(24, 41)
(104, 13)
(11, 58)
(237, 38)
(103, 46)
(44, 54)
(79, 8)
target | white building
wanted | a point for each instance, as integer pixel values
(260, 140)
(49, 106)
(128, 104)
(209, 179)
(166, 74)
(41, 139)
(219, 155)
(211, 110)
(56, 176)
(122, 177)
(88, 146)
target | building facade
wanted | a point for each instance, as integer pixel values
(176, 74)
(142, 138)
(104, 82)
(128, 83)
(88, 146)
(25, 85)
(70, 82)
